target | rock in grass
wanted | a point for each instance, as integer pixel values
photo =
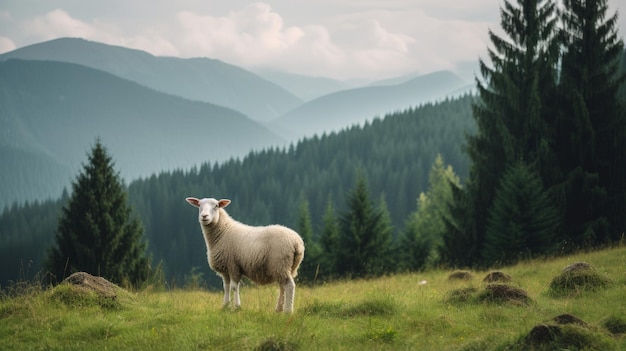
(99, 285)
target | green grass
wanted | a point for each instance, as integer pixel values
(389, 313)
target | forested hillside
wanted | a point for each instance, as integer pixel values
(395, 154)
(52, 112)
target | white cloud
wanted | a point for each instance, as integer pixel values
(56, 24)
(6, 45)
(257, 36)
(336, 38)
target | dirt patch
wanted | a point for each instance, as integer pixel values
(578, 266)
(569, 319)
(504, 293)
(460, 275)
(99, 285)
(497, 276)
(563, 332)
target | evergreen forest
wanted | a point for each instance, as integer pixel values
(532, 165)
(394, 155)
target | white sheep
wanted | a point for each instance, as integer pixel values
(263, 254)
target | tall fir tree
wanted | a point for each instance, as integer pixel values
(365, 235)
(309, 267)
(97, 232)
(591, 138)
(329, 242)
(523, 221)
(422, 238)
(512, 116)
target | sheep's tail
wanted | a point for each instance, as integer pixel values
(298, 256)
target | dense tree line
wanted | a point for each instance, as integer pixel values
(394, 155)
(547, 169)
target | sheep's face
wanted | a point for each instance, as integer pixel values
(208, 209)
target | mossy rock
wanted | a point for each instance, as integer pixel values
(577, 278)
(83, 290)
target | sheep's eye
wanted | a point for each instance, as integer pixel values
(217, 206)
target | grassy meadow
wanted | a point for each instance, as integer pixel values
(418, 311)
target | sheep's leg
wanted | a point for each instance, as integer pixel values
(281, 298)
(290, 293)
(235, 287)
(226, 281)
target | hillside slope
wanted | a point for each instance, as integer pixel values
(344, 108)
(417, 311)
(54, 112)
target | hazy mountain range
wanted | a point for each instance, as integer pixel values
(163, 113)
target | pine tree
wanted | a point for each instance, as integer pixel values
(512, 115)
(309, 267)
(423, 235)
(365, 235)
(523, 221)
(591, 138)
(96, 232)
(329, 242)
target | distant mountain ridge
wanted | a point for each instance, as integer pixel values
(56, 97)
(201, 79)
(347, 107)
(52, 112)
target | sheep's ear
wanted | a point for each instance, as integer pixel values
(193, 201)
(223, 203)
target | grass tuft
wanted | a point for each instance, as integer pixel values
(78, 297)
(572, 283)
(369, 307)
(460, 295)
(614, 324)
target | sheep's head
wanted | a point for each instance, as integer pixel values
(208, 209)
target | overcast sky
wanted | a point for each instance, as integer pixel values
(341, 39)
